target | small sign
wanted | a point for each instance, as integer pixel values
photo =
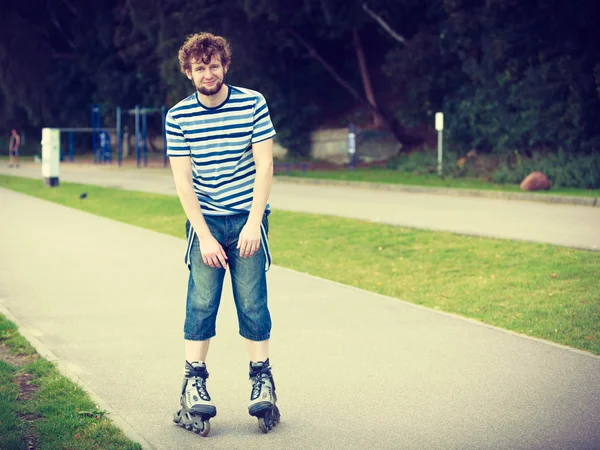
(439, 121)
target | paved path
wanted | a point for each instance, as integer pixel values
(568, 225)
(354, 370)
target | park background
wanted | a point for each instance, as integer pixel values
(518, 82)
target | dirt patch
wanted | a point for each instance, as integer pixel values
(16, 360)
(30, 439)
(26, 388)
(7, 356)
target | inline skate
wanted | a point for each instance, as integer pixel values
(263, 400)
(196, 406)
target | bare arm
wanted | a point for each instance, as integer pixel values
(212, 252)
(263, 158)
(249, 240)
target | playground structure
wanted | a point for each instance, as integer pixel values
(101, 142)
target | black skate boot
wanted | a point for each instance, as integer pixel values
(196, 406)
(263, 400)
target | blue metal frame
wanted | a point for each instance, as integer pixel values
(145, 136)
(119, 140)
(164, 134)
(137, 134)
(96, 124)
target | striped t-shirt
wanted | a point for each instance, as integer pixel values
(219, 141)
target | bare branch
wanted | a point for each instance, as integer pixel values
(72, 8)
(402, 134)
(384, 25)
(57, 24)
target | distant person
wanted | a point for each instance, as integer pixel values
(220, 145)
(13, 148)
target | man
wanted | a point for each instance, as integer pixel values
(13, 148)
(219, 143)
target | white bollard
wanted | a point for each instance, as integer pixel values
(50, 155)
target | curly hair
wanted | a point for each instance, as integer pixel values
(202, 47)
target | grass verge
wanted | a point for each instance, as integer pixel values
(540, 290)
(387, 176)
(41, 409)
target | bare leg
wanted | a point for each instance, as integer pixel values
(196, 350)
(257, 350)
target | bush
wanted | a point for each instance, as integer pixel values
(563, 169)
(424, 162)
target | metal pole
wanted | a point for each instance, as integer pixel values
(440, 134)
(71, 147)
(119, 137)
(145, 136)
(137, 134)
(439, 126)
(164, 134)
(93, 132)
(97, 133)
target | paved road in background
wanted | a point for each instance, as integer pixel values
(567, 225)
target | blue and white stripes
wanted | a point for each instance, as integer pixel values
(219, 141)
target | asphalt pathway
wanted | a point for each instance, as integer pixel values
(353, 369)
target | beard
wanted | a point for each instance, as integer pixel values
(210, 91)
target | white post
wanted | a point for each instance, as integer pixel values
(50, 155)
(439, 126)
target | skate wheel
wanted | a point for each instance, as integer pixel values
(205, 428)
(201, 427)
(262, 425)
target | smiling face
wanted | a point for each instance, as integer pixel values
(207, 78)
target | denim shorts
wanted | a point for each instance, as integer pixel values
(248, 279)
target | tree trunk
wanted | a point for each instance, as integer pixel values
(401, 134)
(366, 79)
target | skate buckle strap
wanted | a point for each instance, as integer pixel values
(192, 371)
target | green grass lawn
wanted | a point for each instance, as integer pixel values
(540, 290)
(39, 408)
(387, 176)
